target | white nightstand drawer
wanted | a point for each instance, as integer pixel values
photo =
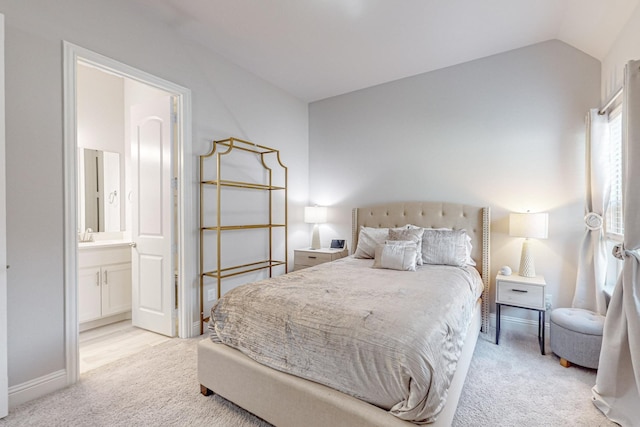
(520, 294)
(310, 258)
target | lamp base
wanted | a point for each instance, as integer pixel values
(527, 266)
(315, 237)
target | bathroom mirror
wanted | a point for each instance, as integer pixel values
(99, 190)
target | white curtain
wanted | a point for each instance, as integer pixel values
(592, 264)
(617, 389)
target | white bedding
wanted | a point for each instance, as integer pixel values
(391, 338)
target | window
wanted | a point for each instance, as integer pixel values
(615, 226)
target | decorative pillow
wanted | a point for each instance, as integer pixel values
(469, 246)
(396, 255)
(444, 247)
(411, 235)
(369, 238)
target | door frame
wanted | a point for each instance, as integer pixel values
(4, 379)
(186, 238)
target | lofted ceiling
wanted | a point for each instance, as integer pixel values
(316, 49)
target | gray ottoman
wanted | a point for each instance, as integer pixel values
(576, 336)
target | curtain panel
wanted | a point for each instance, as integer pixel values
(617, 389)
(592, 263)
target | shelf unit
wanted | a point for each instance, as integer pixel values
(220, 149)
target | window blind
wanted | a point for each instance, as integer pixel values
(615, 225)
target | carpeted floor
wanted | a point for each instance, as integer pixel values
(514, 385)
(508, 385)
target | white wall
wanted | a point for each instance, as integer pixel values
(625, 48)
(100, 115)
(506, 131)
(227, 101)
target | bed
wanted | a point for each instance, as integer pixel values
(289, 400)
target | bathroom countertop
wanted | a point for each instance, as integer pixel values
(102, 244)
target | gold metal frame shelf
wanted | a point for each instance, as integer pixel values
(245, 268)
(242, 227)
(239, 184)
(218, 150)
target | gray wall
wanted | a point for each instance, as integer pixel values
(227, 101)
(624, 49)
(506, 131)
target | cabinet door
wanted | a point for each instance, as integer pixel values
(116, 288)
(89, 306)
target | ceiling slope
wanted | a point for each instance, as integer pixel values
(316, 49)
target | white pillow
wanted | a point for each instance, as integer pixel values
(396, 255)
(469, 246)
(369, 238)
(412, 235)
(444, 247)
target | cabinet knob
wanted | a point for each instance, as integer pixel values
(133, 244)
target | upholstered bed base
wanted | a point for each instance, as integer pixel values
(288, 401)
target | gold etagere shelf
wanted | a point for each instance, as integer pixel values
(218, 150)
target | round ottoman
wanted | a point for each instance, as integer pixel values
(576, 336)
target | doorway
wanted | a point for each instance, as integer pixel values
(113, 323)
(174, 279)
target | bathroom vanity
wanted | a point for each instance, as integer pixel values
(104, 282)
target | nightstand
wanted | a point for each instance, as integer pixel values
(309, 257)
(521, 292)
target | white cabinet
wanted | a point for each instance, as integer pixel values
(104, 281)
(304, 258)
(519, 291)
(89, 294)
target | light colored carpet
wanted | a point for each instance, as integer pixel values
(508, 385)
(514, 385)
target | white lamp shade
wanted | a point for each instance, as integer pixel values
(529, 225)
(315, 214)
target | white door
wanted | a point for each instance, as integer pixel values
(153, 298)
(4, 382)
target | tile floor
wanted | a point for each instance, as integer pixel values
(103, 345)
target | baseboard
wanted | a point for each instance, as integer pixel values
(38, 387)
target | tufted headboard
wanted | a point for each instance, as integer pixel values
(475, 220)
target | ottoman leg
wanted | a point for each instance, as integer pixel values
(565, 362)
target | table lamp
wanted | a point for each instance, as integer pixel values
(315, 215)
(530, 226)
